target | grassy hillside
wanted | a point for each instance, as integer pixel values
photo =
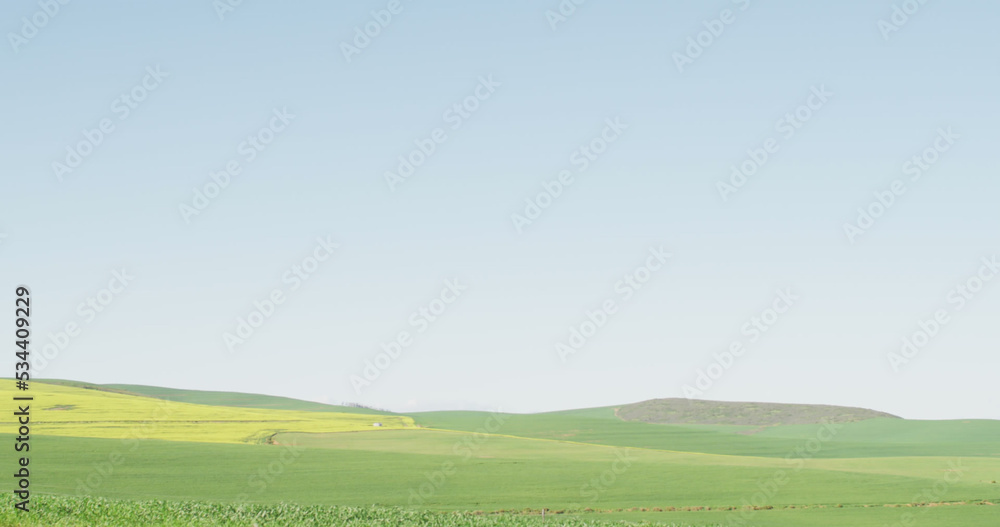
(71, 411)
(109, 442)
(689, 411)
(423, 469)
(872, 438)
(240, 400)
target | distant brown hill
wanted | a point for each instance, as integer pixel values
(693, 411)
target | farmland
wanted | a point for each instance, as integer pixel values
(91, 444)
(76, 412)
(65, 511)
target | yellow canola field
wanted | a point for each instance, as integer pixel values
(68, 411)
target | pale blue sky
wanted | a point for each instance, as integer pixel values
(655, 186)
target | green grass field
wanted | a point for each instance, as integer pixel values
(585, 465)
(872, 438)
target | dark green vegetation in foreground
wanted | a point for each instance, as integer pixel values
(689, 411)
(61, 511)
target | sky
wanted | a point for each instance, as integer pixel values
(518, 205)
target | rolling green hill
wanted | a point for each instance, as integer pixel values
(240, 400)
(61, 410)
(872, 438)
(110, 441)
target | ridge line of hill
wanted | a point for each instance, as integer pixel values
(677, 411)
